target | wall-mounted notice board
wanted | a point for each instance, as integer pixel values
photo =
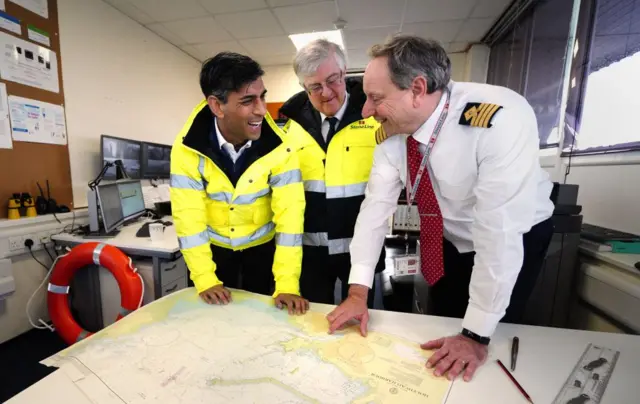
(34, 73)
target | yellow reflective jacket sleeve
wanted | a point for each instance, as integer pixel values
(188, 197)
(287, 203)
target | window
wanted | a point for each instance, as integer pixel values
(603, 99)
(530, 59)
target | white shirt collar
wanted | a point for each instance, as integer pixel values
(424, 132)
(222, 141)
(340, 112)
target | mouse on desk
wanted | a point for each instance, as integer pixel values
(144, 229)
(638, 265)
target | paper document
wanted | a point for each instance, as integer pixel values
(2, 6)
(28, 64)
(40, 7)
(36, 121)
(10, 23)
(5, 126)
(38, 35)
(250, 352)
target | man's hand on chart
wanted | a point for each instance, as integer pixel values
(296, 304)
(454, 355)
(354, 307)
(216, 295)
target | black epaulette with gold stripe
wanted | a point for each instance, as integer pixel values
(479, 114)
(381, 135)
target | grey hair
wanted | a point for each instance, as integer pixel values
(410, 57)
(311, 56)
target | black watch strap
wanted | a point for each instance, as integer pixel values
(476, 337)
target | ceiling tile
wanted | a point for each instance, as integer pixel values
(474, 29)
(279, 3)
(132, 11)
(357, 59)
(457, 46)
(438, 10)
(232, 6)
(251, 24)
(165, 34)
(490, 8)
(370, 13)
(207, 50)
(275, 60)
(191, 51)
(279, 45)
(198, 30)
(365, 38)
(170, 10)
(442, 31)
(307, 17)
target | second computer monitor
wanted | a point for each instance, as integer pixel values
(120, 201)
(155, 160)
(126, 150)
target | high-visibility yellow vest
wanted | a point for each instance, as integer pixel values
(267, 202)
(335, 181)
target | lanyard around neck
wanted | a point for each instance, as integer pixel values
(412, 188)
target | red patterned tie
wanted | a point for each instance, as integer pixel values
(430, 217)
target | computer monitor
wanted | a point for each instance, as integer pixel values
(120, 201)
(155, 160)
(110, 206)
(128, 151)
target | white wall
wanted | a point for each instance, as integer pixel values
(280, 82)
(609, 187)
(119, 79)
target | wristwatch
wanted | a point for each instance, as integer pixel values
(477, 338)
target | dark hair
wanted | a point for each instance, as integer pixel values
(410, 56)
(227, 72)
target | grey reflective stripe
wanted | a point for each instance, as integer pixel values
(339, 246)
(221, 196)
(83, 334)
(285, 178)
(124, 312)
(193, 240)
(346, 191)
(315, 239)
(185, 182)
(289, 239)
(315, 186)
(240, 241)
(96, 253)
(248, 199)
(201, 171)
(61, 290)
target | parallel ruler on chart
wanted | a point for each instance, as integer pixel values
(589, 377)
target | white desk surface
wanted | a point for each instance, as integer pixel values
(127, 239)
(623, 261)
(546, 358)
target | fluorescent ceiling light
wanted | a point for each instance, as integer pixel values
(300, 40)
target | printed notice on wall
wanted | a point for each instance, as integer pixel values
(5, 127)
(39, 7)
(10, 23)
(36, 121)
(38, 35)
(27, 63)
(2, 7)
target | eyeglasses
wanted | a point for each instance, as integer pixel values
(331, 81)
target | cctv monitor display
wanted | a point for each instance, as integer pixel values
(131, 199)
(155, 160)
(128, 151)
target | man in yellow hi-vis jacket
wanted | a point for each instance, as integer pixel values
(236, 190)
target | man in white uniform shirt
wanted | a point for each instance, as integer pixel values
(492, 208)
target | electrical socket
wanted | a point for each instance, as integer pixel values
(36, 241)
(16, 243)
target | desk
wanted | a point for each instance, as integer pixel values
(547, 357)
(160, 263)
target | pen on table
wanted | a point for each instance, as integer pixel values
(514, 352)
(513, 379)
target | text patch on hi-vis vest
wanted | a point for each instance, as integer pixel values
(479, 114)
(361, 124)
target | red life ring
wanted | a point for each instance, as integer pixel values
(129, 282)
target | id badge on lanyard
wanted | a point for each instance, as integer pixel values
(409, 264)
